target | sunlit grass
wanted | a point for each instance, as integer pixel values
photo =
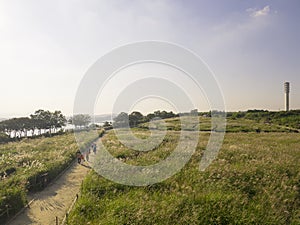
(254, 180)
(29, 159)
(232, 125)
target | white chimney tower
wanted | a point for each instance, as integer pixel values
(287, 93)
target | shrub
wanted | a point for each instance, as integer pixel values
(13, 199)
(4, 138)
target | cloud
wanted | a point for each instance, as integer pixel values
(254, 12)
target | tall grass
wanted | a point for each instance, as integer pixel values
(232, 125)
(29, 165)
(254, 180)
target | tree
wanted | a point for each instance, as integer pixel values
(4, 138)
(135, 118)
(24, 124)
(194, 112)
(41, 119)
(10, 127)
(47, 120)
(80, 120)
(107, 125)
(163, 114)
(58, 120)
(149, 117)
(16, 126)
(121, 120)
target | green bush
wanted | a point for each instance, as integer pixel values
(4, 138)
(101, 132)
(12, 200)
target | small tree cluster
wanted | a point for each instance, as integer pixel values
(135, 118)
(80, 120)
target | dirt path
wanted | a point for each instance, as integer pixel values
(54, 200)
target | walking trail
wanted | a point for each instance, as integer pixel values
(55, 199)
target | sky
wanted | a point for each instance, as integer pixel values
(46, 48)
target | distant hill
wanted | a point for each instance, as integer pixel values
(1, 119)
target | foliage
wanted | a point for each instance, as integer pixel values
(80, 120)
(101, 132)
(41, 119)
(107, 125)
(4, 138)
(121, 120)
(159, 115)
(135, 118)
(47, 120)
(13, 199)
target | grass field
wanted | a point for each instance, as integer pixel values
(254, 180)
(232, 125)
(30, 164)
(246, 125)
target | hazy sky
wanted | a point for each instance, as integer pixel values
(46, 47)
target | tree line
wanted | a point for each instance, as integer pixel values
(39, 121)
(135, 118)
